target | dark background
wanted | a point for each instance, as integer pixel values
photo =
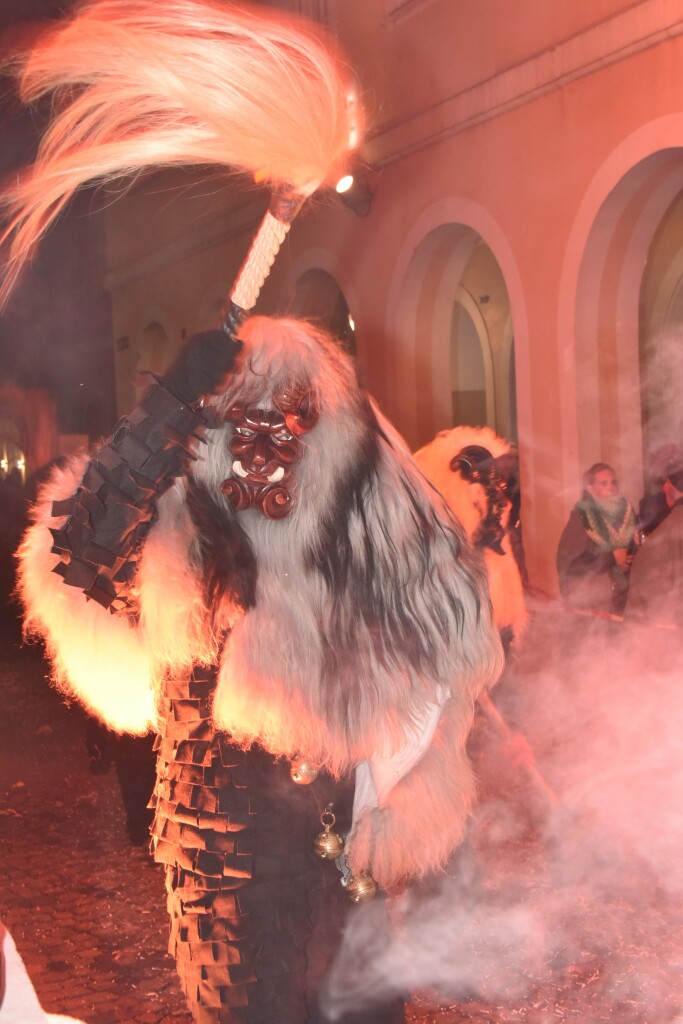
(55, 332)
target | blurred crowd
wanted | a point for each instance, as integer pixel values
(131, 757)
(13, 507)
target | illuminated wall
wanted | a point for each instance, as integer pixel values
(549, 136)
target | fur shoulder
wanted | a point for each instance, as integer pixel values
(96, 657)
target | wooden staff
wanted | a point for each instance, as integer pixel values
(508, 736)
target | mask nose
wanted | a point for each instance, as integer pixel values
(260, 453)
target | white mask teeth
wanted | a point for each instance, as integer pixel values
(274, 478)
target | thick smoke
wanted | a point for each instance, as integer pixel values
(660, 386)
(553, 911)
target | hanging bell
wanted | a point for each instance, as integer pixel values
(361, 888)
(303, 772)
(328, 844)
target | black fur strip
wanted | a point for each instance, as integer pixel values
(228, 560)
(398, 634)
(331, 555)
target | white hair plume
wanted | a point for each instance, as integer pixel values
(141, 84)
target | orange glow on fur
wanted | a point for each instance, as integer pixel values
(468, 502)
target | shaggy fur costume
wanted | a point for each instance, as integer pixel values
(468, 502)
(355, 631)
(368, 609)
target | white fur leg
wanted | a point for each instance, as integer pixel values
(424, 816)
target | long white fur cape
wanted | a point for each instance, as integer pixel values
(370, 608)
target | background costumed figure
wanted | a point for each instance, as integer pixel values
(473, 468)
(253, 565)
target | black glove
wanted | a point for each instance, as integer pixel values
(202, 366)
(111, 513)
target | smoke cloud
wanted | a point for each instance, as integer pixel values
(553, 911)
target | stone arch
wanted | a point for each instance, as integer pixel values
(598, 308)
(310, 266)
(317, 297)
(429, 271)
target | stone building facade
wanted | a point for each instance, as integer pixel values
(521, 263)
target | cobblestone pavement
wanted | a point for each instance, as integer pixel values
(85, 907)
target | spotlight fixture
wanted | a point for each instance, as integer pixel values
(344, 184)
(354, 192)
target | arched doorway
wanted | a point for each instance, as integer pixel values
(472, 390)
(615, 321)
(456, 306)
(152, 353)
(661, 339)
(28, 430)
(12, 457)
(318, 298)
(152, 357)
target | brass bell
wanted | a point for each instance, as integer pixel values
(361, 888)
(303, 772)
(328, 844)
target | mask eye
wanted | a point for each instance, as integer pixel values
(245, 432)
(283, 435)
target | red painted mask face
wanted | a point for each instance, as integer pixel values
(265, 446)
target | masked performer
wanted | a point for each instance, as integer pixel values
(254, 567)
(475, 470)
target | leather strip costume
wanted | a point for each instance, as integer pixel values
(244, 887)
(113, 509)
